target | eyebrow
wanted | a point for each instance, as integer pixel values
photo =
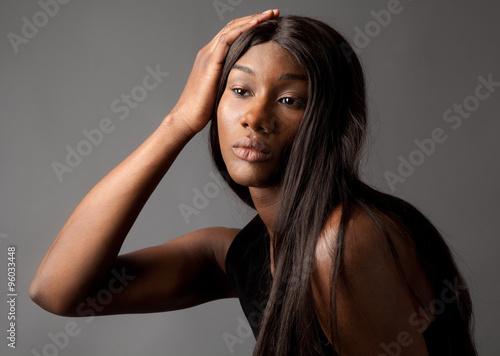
(285, 76)
(290, 76)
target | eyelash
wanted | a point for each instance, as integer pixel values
(298, 102)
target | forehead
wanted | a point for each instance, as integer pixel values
(270, 57)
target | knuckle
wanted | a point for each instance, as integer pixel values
(229, 25)
(223, 39)
(201, 54)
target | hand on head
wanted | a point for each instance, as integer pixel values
(195, 105)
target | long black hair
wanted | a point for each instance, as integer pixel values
(321, 174)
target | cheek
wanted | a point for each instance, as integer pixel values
(225, 126)
(291, 132)
(227, 120)
(221, 126)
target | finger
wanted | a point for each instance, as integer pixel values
(259, 16)
(269, 14)
(252, 19)
(235, 28)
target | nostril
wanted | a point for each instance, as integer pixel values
(258, 120)
(266, 129)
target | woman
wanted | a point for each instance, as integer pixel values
(327, 266)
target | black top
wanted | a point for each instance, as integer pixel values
(248, 268)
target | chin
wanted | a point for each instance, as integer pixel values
(258, 174)
(254, 177)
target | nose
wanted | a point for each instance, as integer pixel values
(259, 117)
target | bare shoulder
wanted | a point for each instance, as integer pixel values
(220, 239)
(373, 300)
(366, 246)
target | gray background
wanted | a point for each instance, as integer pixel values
(427, 58)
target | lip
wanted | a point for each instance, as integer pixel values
(251, 150)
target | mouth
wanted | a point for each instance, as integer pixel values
(251, 150)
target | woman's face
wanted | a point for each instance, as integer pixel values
(259, 113)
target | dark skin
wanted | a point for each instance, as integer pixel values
(263, 101)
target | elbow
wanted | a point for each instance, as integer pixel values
(47, 300)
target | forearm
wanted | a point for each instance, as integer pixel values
(89, 242)
(87, 246)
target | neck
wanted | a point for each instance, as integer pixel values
(266, 201)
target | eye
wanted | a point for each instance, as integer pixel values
(293, 102)
(240, 92)
(287, 101)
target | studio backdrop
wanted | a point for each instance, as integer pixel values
(83, 83)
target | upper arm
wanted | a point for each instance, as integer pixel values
(180, 273)
(374, 304)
